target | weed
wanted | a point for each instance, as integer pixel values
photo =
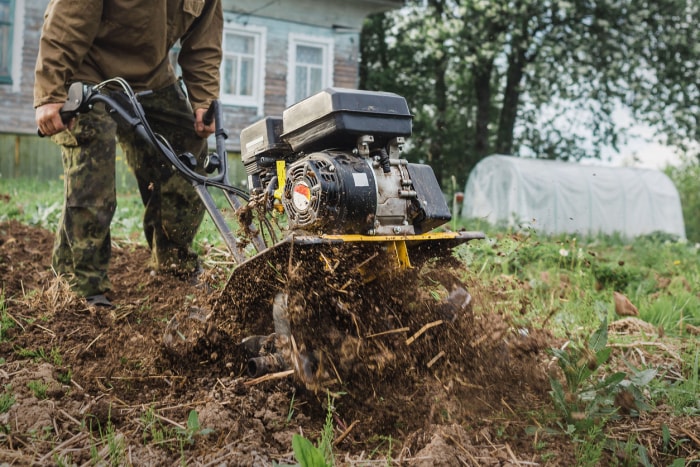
(193, 429)
(309, 455)
(42, 434)
(290, 412)
(63, 460)
(385, 443)
(116, 451)
(589, 449)
(7, 399)
(306, 453)
(39, 354)
(326, 441)
(586, 400)
(684, 396)
(39, 388)
(55, 357)
(673, 312)
(6, 321)
(616, 277)
(113, 441)
(65, 377)
(153, 429)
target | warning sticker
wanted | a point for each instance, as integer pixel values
(360, 179)
(301, 196)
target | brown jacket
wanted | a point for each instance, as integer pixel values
(94, 40)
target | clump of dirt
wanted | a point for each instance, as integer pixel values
(419, 366)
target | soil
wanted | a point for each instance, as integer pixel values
(420, 367)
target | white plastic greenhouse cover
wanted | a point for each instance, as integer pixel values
(566, 197)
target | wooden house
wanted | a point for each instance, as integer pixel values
(276, 52)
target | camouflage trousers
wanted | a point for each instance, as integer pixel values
(173, 211)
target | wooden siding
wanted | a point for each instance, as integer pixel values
(16, 108)
(325, 13)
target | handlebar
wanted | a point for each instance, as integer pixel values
(76, 102)
(209, 114)
(126, 107)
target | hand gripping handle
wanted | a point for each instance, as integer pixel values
(75, 103)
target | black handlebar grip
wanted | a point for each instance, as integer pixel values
(209, 114)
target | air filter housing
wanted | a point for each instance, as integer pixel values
(336, 117)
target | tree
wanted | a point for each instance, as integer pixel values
(535, 77)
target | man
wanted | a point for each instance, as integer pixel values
(90, 41)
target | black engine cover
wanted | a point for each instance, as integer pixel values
(330, 192)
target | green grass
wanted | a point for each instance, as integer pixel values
(6, 321)
(571, 280)
(39, 388)
(40, 354)
(7, 399)
(39, 203)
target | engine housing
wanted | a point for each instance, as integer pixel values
(337, 192)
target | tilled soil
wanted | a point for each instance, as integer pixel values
(415, 372)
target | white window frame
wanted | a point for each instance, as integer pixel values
(17, 47)
(257, 99)
(326, 44)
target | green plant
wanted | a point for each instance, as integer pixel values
(63, 460)
(115, 443)
(386, 444)
(290, 412)
(616, 277)
(7, 399)
(55, 357)
(153, 429)
(65, 377)
(326, 441)
(39, 388)
(116, 450)
(684, 396)
(193, 428)
(589, 448)
(631, 453)
(585, 399)
(686, 178)
(306, 453)
(39, 354)
(6, 321)
(309, 455)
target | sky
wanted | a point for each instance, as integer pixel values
(638, 152)
(649, 155)
(641, 149)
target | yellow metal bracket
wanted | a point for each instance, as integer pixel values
(398, 247)
(281, 179)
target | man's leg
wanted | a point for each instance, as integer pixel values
(173, 209)
(82, 247)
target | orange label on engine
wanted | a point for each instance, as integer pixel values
(301, 196)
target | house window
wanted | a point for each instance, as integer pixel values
(6, 19)
(242, 67)
(310, 66)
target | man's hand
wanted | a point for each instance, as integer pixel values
(199, 127)
(48, 119)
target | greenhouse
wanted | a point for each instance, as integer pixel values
(565, 197)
